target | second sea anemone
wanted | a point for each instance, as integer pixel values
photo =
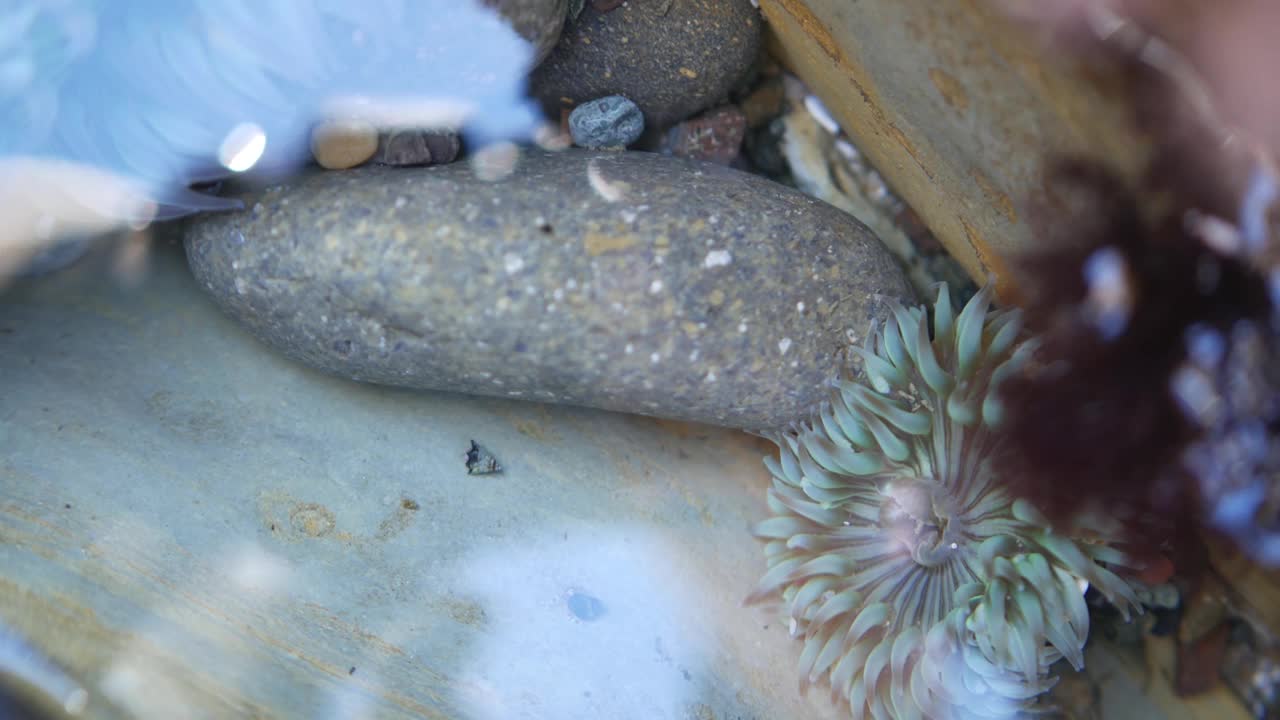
(920, 586)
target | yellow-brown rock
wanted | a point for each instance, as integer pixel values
(338, 145)
(957, 107)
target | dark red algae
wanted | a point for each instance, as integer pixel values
(1155, 391)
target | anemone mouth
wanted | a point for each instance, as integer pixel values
(924, 518)
(919, 585)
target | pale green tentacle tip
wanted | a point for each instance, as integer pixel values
(992, 411)
(943, 315)
(969, 327)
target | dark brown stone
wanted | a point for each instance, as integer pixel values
(444, 146)
(417, 147)
(403, 147)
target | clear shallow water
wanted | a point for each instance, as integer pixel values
(195, 527)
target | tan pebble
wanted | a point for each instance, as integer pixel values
(338, 145)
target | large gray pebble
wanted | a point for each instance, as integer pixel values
(626, 281)
(673, 59)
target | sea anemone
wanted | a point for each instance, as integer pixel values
(920, 586)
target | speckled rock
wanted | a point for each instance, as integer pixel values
(538, 21)
(621, 280)
(57, 256)
(607, 122)
(672, 59)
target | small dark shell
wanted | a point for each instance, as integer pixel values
(480, 461)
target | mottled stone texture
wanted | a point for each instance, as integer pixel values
(607, 122)
(620, 280)
(715, 136)
(672, 59)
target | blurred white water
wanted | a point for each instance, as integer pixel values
(582, 624)
(110, 110)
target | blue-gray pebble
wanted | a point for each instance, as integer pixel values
(607, 122)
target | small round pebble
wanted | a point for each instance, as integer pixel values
(607, 122)
(342, 144)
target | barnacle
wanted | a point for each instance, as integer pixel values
(920, 586)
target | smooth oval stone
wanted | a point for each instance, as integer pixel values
(619, 280)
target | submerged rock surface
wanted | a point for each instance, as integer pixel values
(254, 539)
(624, 281)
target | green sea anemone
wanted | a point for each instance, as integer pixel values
(919, 585)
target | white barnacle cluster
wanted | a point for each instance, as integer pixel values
(919, 586)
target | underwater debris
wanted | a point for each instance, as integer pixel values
(480, 461)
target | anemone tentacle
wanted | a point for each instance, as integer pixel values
(919, 586)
